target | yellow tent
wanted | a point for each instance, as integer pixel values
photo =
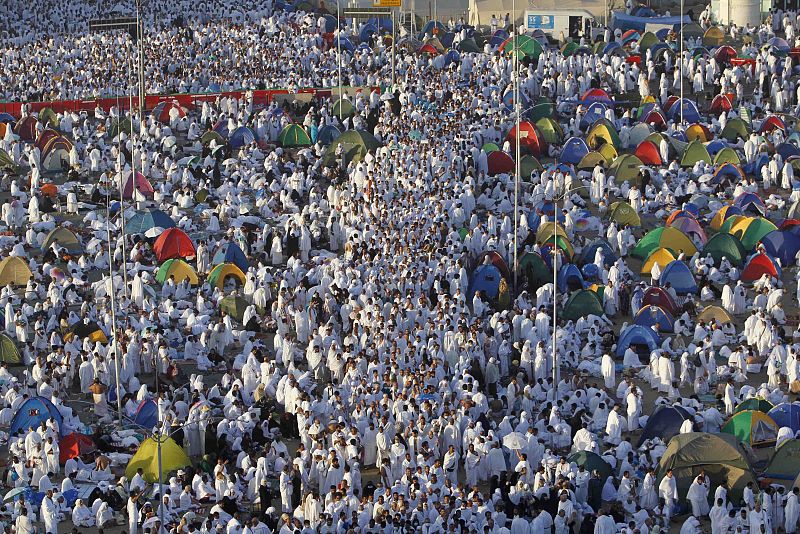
(222, 271)
(548, 230)
(590, 160)
(14, 270)
(601, 134)
(179, 269)
(714, 36)
(173, 458)
(661, 256)
(623, 213)
(714, 312)
(696, 131)
(626, 168)
(719, 218)
(608, 152)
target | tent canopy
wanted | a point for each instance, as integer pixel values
(173, 458)
(581, 304)
(786, 414)
(173, 243)
(666, 237)
(32, 413)
(14, 271)
(223, 271)
(664, 423)
(678, 275)
(64, 238)
(231, 253)
(179, 269)
(753, 427)
(637, 334)
(9, 352)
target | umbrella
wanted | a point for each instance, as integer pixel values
(515, 441)
(11, 495)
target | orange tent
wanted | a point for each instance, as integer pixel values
(173, 243)
(74, 445)
(50, 190)
(648, 152)
(528, 137)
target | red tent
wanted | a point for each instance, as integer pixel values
(429, 49)
(26, 128)
(528, 138)
(668, 104)
(770, 123)
(140, 183)
(162, 110)
(658, 296)
(724, 54)
(499, 162)
(74, 445)
(648, 152)
(758, 265)
(656, 118)
(173, 243)
(721, 102)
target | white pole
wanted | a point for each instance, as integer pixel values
(112, 298)
(555, 303)
(158, 437)
(681, 69)
(339, 54)
(517, 170)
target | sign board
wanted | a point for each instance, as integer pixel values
(387, 3)
(120, 23)
(366, 12)
(540, 22)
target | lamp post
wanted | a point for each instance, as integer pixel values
(517, 163)
(339, 53)
(681, 67)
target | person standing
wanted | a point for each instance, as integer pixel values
(133, 512)
(49, 513)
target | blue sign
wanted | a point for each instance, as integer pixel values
(541, 22)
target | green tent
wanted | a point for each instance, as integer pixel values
(6, 162)
(490, 147)
(543, 108)
(234, 306)
(626, 168)
(695, 151)
(647, 40)
(528, 165)
(525, 46)
(49, 118)
(469, 45)
(346, 108)
(727, 155)
(752, 427)
(753, 232)
(356, 144)
(734, 129)
(784, 465)
(721, 456)
(582, 303)
(64, 238)
(754, 403)
(569, 48)
(116, 126)
(211, 135)
(550, 130)
(293, 135)
(722, 244)
(664, 237)
(623, 213)
(8, 350)
(533, 267)
(591, 461)
(179, 269)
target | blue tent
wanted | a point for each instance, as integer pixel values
(447, 39)
(786, 414)
(367, 31)
(486, 279)
(783, 245)
(679, 277)
(330, 23)
(452, 56)
(497, 38)
(574, 150)
(241, 136)
(569, 278)
(7, 118)
(231, 253)
(32, 413)
(589, 251)
(787, 150)
(637, 334)
(328, 134)
(508, 101)
(590, 272)
(754, 167)
(651, 315)
(664, 423)
(384, 23)
(690, 113)
(346, 44)
(750, 202)
(613, 45)
(143, 221)
(715, 146)
(146, 414)
(595, 112)
(428, 29)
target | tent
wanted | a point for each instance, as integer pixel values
(721, 456)
(680, 277)
(754, 403)
(783, 245)
(234, 306)
(727, 155)
(591, 160)
(550, 130)
(714, 313)
(293, 135)
(528, 166)
(179, 269)
(486, 279)
(528, 138)
(118, 127)
(773, 122)
(328, 134)
(595, 112)
(146, 415)
(569, 278)
(637, 335)
(650, 316)
(591, 461)
(356, 144)
(14, 271)
(163, 111)
(648, 153)
(211, 135)
(535, 270)
(55, 154)
(625, 168)
(698, 132)
(74, 445)
(143, 221)
(752, 427)
(758, 265)
(749, 230)
(602, 132)
(734, 129)
(500, 162)
(26, 128)
(138, 183)
(750, 203)
(497, 260)
(786, 414)
(573, 151)
(172, 455)
(713, 36)
(660, 297)
(173, 243)
(589, 252)
(784, 465)
(696, 151)
(690, 227)
(720, 103)
(722, 215)
(231, 253)
(6, 162)
(623, 213)
(582, 303)
(666, 237)
(683, 108)
(241, 136)
(221, 272)
(64, 238)
(32, 413)
(664, 423)
(661, 256)
(8, 350)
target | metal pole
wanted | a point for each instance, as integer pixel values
(517, 169)
(112, 297)
(140, 48)
(339, 54)
(157, 435)
(681, 68)
(555, 303)
(394, 38)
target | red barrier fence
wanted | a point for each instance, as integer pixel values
(260, 99)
